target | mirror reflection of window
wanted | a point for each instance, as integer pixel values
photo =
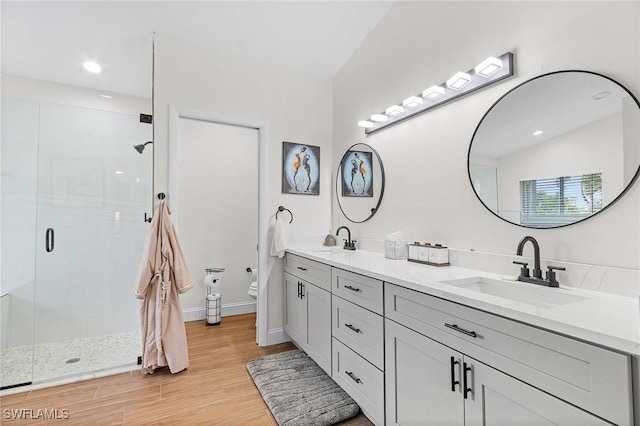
(560, 201)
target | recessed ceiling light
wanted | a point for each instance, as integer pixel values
(119, 172)
(459, 80)
(538, 132)
(365, 123)
(394, 110)
(92, 67)
(412, 102)
(106, 96)
(601, 95)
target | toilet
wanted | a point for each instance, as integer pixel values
(253, 287)
(253, 290)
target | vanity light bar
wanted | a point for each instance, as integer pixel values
(489, 71)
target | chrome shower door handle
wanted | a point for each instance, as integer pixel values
(49, 240)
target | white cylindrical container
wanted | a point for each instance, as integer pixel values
(213, 308)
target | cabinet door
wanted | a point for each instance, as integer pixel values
(421, 378)
(295, 315)
(318, 307)
(497, 399)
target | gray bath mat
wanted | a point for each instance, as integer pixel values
(299, 392)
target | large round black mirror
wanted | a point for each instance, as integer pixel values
(556, 149)
(360, 183)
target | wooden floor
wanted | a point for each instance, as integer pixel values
(215, 390)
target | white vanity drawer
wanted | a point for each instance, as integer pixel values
(314, 272)
(361, 290)
(361, 380)
(359, 329)
(593, 378)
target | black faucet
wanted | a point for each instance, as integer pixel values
(348, 243)
(550, 280)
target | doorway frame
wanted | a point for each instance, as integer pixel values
(175, 114)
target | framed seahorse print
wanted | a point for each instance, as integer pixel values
(300, 169)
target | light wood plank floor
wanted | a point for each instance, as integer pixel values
(215, 390)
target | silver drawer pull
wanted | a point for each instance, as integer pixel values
(302, 268)
(353, 377)
(461, 330)
(352, 288)
(351, 327)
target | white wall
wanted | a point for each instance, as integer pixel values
(423, 43)
(295, 107)
(217, 208)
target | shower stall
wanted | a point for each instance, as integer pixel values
(74, 194)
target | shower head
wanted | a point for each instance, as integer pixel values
(140, 147)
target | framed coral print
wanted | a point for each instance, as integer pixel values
(357, 174)
(300, 169)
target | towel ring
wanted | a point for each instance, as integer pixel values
(281, 209)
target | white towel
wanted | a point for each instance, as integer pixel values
(279, 239)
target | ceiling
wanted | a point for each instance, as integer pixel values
(49, 40)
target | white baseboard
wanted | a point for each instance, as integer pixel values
(276, 336)
(197, 314)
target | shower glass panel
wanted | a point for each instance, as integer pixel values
(18, 201)
(93, 190)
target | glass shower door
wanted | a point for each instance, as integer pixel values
(93, 192)
(18, 201)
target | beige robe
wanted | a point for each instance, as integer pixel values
(163, 276)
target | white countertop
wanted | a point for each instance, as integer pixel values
(603, 319)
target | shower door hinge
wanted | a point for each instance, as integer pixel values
(146, 118)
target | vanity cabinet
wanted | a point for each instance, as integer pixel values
(358, 340)
(307, 317)
(429, 383)
(511, 370)
(410, 358)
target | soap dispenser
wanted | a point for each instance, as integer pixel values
(330, 240)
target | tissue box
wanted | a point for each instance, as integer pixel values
(396, 249)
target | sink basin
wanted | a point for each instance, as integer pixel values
(331, 250)
(543, 297)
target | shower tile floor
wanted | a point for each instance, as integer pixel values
(50, 359)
